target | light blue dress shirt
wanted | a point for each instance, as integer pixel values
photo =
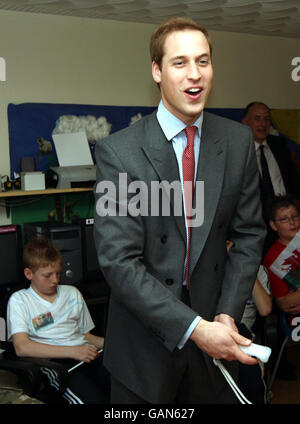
(173, 129)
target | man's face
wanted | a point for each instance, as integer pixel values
(258, 119)
(186, 74)
(286, 223)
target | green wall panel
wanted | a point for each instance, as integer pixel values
(37, 208)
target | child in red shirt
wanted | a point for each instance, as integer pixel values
(285, 220)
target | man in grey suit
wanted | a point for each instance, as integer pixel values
(164, 329)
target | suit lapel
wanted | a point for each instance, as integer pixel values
(160, 153)
(211, 166)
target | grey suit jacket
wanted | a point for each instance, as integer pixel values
(142, 257)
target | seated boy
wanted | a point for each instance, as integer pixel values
(49, 320)
(285, 220)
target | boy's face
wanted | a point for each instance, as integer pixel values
(286, 223)
(45, 279)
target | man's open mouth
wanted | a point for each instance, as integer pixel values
(194, 92)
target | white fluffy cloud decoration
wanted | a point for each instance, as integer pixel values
(95, 128)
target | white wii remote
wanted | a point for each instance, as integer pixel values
(260, 352)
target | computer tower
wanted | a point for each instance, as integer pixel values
(91, 269)
(67, 239)
(94, 281)
(94, 287)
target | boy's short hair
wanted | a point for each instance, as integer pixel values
(40, 252)
(173, 24)
(281, 202)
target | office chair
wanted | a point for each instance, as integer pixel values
(29, 370)
(287, 331)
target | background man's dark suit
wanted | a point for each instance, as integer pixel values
(142, 258)
(289, 173)
(290, 178)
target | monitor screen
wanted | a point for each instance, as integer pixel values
(11, 266)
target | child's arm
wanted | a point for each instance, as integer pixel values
(262, 299)
(25, 347)
(290, 303)
(96, 341)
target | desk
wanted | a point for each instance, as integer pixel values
(19, 193)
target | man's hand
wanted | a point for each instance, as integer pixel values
(221, 341)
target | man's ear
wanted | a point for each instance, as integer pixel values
(28, 273)
(156, 72)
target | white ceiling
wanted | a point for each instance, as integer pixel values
(269, 17)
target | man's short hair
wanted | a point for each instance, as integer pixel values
(159, 36)
(249, 106)
(281, 202)
(40, 252)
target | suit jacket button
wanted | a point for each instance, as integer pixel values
(164, 239)
(169, 281)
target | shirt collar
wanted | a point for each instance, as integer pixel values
(257, 145)
(171, 125)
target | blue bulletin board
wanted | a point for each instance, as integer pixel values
(31, 126)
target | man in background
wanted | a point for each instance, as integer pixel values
(278, 174)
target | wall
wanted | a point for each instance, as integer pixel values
(250, 67)
(71, 60)
(87, 61)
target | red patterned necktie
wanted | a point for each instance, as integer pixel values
(188, 171)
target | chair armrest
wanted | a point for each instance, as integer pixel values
(29, 369)
(60, 370)
(28, 372)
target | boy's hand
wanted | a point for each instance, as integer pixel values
(84, 353)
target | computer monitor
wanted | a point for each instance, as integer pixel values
(11, 263)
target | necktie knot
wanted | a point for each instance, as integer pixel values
(190, 134)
